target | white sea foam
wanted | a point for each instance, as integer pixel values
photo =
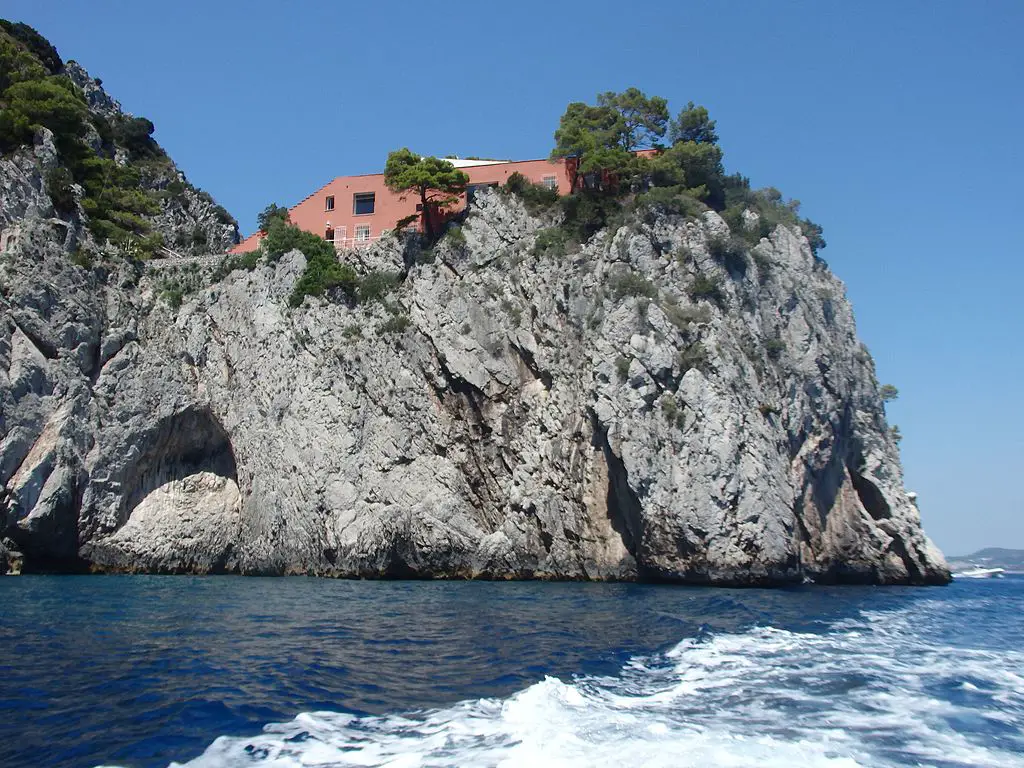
(866, 692)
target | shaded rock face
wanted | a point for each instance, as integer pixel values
(602, 415)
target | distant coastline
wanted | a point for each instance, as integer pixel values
(1011, 560)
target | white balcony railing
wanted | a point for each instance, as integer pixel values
(347, 243)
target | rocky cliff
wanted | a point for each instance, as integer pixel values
(658, 403)
(507, 412)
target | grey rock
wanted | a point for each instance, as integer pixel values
(527, 423)
(99, 101)
(11, 559)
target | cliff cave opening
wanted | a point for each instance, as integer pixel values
(188, 444)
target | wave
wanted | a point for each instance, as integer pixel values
(877, 690)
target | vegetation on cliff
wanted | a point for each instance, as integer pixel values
(122, 172)
(619, 165)
(436, 182)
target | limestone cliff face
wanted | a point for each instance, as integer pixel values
(507, 414)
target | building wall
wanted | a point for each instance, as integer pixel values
(312, 215)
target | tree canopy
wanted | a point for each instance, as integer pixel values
(17, 63)
(52, 102)
(36, 44)
(602, 139)
(136, 135)
(693, 124)
(270, 214)
(640, 120)
(436, 182)
(604, 147)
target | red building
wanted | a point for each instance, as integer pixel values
(357, 210)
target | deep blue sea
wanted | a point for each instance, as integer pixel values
(203, 672)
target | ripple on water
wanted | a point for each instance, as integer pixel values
(140, 671)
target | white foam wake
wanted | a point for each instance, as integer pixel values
(868, 692)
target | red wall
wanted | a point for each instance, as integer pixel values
(312, 215)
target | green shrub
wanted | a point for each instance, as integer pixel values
(631, 284)
(675, 199)
(456, 236)
(321, 276)
(772, 211)
(81, 258)
(175, 188)
(283, 238)
(395, 324)
(352, 331)
(764, 265)
(733, 216)
(622, 368)
(708, 288)
(173, 295)
(774, 347)
(731, 251)
(323, 271)
(551, 243)
(671, 410)
(510, 309)
(17, 63)
(52, 102)
(35, 44)
(888, 393)
(694, 356)
(767, 409)
(536, 197)
(669, 406)
(375, 286)
(270, 214)
(222, 215)
(682, 317)
(58, 187)
(587, 213)
(135, 134)
(247, 261)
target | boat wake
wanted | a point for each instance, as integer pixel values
(878, 690)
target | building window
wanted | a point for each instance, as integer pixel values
(362, 234)
(329, 235)
(362, 203)
(419, 207)
(551, 182)
(329, 203)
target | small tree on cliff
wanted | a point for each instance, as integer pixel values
(436, 182)
(590, 136)
(642, 119)
(693, 124)
(602, 139)
(270, 214)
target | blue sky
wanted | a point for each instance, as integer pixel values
(898, 124)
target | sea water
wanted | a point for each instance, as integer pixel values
(204, 672)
